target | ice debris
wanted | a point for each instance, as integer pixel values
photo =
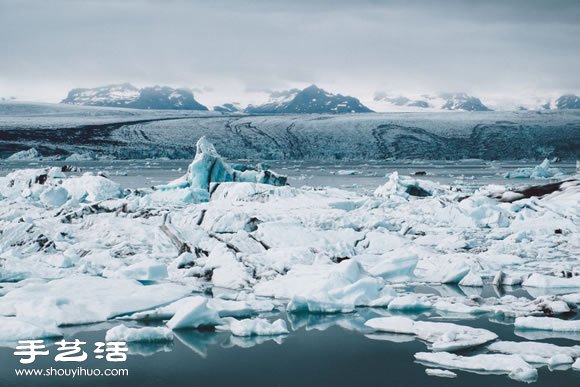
(512, 365)
(440, 373)
(537, 353)
(542, 171)
(253, 327)
(145, 334)
(547, 324)
(194, 314)
(441, 336)
(26, 155)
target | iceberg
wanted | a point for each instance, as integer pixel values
(441, 336)
(194, 314)
(409, 303)
(209, 168)
(14, 329)
(440, 373)
(85, 299)
(537, 353)
(406, 187)
(546, 282)
(542, 171)
(27, 155)
(547, 324)
(253, 327)
(145, 270)
(146, 334)
(512, 365)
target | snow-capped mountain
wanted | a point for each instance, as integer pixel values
(424, 102)
(462, 101)
(568, 101)
(310, 100)
(128, 96)
(228, 108)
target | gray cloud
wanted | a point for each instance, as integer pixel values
(506, 47)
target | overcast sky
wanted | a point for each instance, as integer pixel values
(228, 50)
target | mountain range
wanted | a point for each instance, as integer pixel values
(310, 100)
(128, 96)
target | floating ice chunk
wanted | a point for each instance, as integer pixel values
(544, 281)
(27, 155)
(447, 270)
(209, 167)
(318, 304)
(573, 298)
(409, 303)
(194, 314)
(406, 187)
(512, 365)
(54, 197)
(542, 171)
(80, 157)
(346, 172)
(502, 279)
(14, 329)
(534, 352)
(253, 327)
(441, 336)
(576, 365)
(84, 299)
(246, 308)
(146, 270)
(472, 279)
(92, 188)
(559, 359)
(146, 334)
(395, 268)
(440, 373)
(547, 324)
(395, 324)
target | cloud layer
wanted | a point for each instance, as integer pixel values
(226, 48)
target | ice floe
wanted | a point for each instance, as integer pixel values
(540, 353)
(547, 324)
(440, 373)
(440, 336)
(194, 314)
(253, 327)
(145, 334)
(541, 171)
(85, 299)
(26, 155)
(512, 365)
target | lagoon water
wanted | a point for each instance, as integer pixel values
(332, 349)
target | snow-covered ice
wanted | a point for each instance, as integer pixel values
(534, 352)
(547, 324)
(145, 334)
(440, 373)
(253, 327)
(441, 336)
(541, 171)
(512, 365)
(194, 314)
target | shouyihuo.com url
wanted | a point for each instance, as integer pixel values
(71, 372)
